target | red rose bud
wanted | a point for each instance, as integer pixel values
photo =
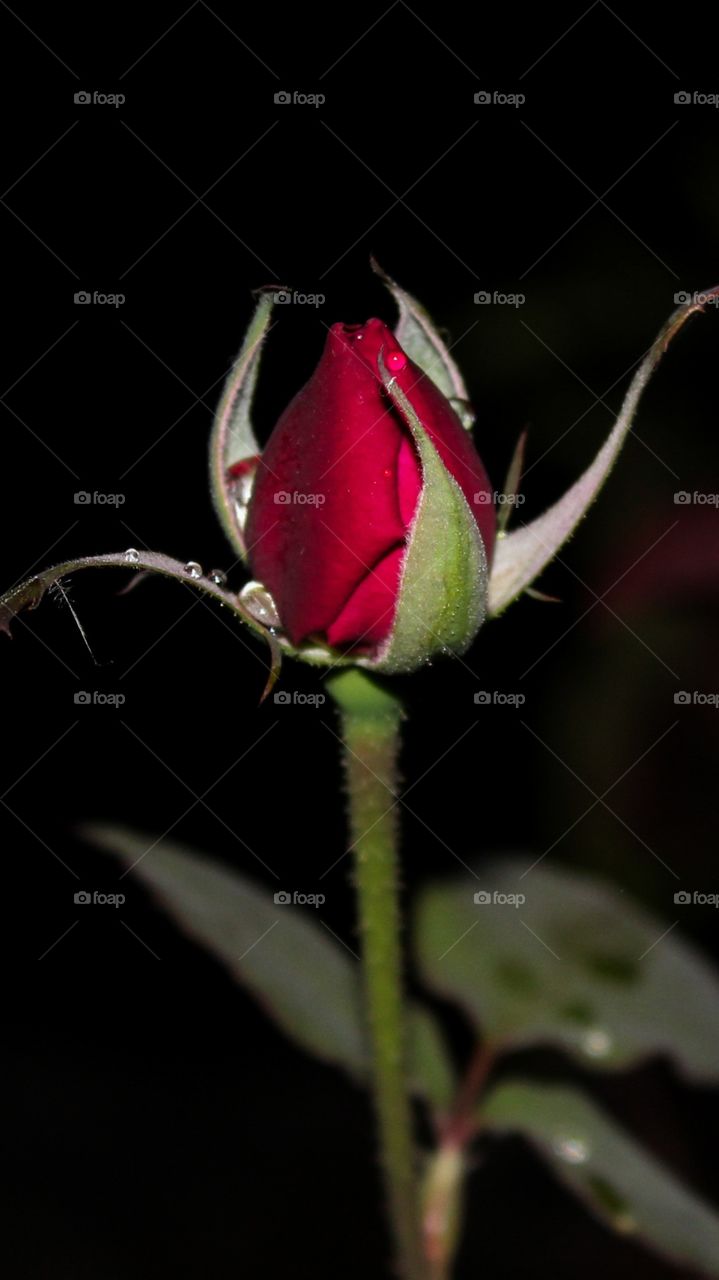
(371, 519)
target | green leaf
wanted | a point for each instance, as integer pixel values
(305, 979)
(418, 337)
(233, 438)
(623, 1185)
(521, 555)
(443, 587)
(28, 594)
(577, 965)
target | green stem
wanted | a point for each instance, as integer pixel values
(371, 732)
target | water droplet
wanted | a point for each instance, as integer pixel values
(464, 412)
(258, 601)
(597, 1043)
(132, 556)
(573, 1150)
(242, 486)
(218, 577)
(194, 569)
(396, 360)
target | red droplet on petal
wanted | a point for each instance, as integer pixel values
(396, 360)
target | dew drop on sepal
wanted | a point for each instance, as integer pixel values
(464, 412)
(194, 569)
(132, 556)
(573, 1150)
(258, 601)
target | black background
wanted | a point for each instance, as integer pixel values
(157, 1123)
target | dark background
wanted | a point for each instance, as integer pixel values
(157, 1123)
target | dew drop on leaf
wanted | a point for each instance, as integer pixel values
(597, 1043)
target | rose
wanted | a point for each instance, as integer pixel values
(405, 528)
(338, 489)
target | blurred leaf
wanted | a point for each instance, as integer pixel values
(624, 1186)
(521, 555)
(577, 965)
(305, 980)
(28, 594)
(432, 1074)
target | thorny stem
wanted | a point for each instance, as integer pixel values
(371, 733)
